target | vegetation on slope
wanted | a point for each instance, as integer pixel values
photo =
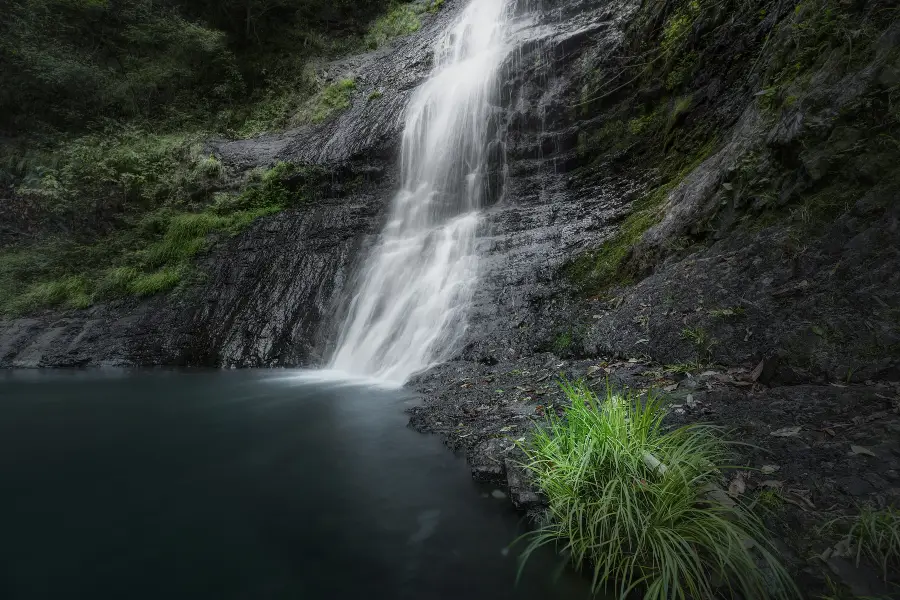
(640, 507)
(688, 67)
(105, 187)
(145, 252)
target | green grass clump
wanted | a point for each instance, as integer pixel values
(157, 282)
(70, 292)
(630, 501)
(876, 534)
(185, 236)
(400, 20)
(116, 282)
(333, 99)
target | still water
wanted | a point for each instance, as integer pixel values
(241, 485)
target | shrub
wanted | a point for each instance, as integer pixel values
(632, 501)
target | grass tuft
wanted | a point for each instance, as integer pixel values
(157, 282)
(632, 502)
(876, 534)
(332, 100)
(70, 292)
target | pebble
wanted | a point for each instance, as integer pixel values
(498, 494)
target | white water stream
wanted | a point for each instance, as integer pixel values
(409, 311)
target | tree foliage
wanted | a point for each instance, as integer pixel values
(68, 64)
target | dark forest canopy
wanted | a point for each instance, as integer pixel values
(68, 63)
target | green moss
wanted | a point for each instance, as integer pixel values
(678, 26)
(603, 267)
(375, 95)
(562, 343)
(682, 70)
(639, 125)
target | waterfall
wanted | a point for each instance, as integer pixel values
(409, 310)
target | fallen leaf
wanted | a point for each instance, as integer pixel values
(737, 486)
(842, 548)
(671, 388)
(818, 331)
(772, 483)
(592, 369)
(795, 503)
(716, 493)
(769, 469)
(708, 373)
(861, 450)
(829, 431)
(654, 464)
(632, 360)
(787, 431)
(799, 496)
(755, 373)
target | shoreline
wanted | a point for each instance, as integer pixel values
(826, 448)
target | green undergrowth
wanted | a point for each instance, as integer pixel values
(334, 99)
(401, 19)
(639, 506)
(149, 252)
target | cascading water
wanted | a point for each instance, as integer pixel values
(409, 311)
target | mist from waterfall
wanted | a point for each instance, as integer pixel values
(409, 311)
